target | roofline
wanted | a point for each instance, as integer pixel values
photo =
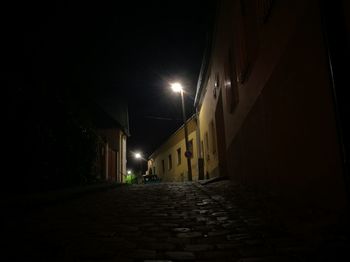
(173, 134)
(206, 56)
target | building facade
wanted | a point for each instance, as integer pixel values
(111, 158)
(169, 163)
(265, 102)
(112, 128)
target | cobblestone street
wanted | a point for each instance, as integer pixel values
(161, 222)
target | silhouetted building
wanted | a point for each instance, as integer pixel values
(112, 127)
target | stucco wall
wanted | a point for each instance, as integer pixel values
(282, 134)
(178, 172)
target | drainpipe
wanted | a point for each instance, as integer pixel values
(200, 164)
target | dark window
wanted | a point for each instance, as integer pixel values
(213, 137)
(178, 156)
(202, 144)
(190, 146)
(263, 10)
(206, 146)
(170, 161)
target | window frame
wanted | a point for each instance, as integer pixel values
(212, 136)
(179, 156)
(170, 162)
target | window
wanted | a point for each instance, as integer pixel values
(263, 10)
(213, 136)
(178, 156)
(170, 162)
(202, 145)
(190, 146)
(163, 166)
(154, 170)
(206, 145)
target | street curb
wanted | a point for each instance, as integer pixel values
(219, 200)
(213, 180)
(52, 197)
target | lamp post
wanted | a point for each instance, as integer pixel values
(177, 88)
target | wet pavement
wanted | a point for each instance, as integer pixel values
(166, 222)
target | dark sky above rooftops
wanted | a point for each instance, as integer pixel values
(117, 48)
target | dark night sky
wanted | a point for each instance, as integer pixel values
(109, 49)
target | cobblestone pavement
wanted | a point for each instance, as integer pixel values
(158, 222)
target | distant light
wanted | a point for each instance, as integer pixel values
(129, 172)
(138, 155)
(176, 87)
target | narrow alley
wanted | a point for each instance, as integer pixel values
(161, 222)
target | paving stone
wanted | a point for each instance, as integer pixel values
(229, 245)
(189, 235)
(144, 254)
(161, 246)
(219, 214)
(163, 222)
(202, 219)
(182, 229)
(238, 236)
(156, 260)
(217, 255)
(255, 251)
(169, 225)
(218, 233)
(180, 255)
(198, 247)
(222, 218)
(269, 259)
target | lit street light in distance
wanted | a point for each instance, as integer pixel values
(129, 172)
(138, 155)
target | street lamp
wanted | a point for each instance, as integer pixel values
(138, 155)
(177, 88)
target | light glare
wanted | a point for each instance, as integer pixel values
(176, 87)
(137, 155)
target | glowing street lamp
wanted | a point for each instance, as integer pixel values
(129, 172)
(177, 88)
(138, 155)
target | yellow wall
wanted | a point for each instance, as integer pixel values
(206, 116)
(178, 172)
